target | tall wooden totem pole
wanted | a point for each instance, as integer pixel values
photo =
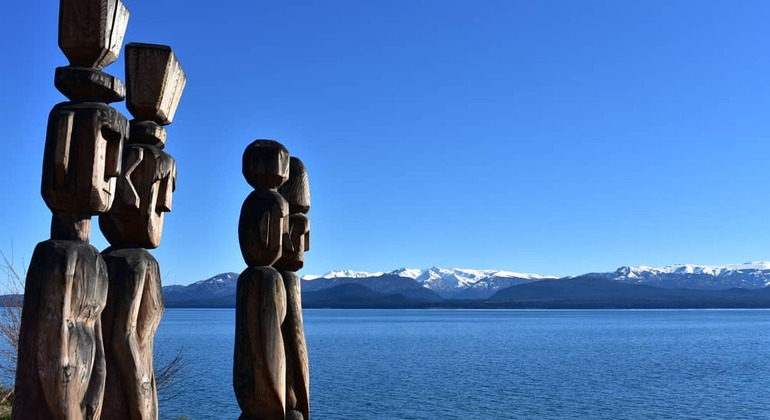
(134, 223)
(88, 320)
(61, 368)
(270, 366)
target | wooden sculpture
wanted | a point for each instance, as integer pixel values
(135, 222)
(270, 365)
(61, 366)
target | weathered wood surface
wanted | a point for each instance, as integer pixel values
(297, 365)
(262, 226)
(129, 322)
(296, 190)
(148, 132)
(155, 82)
(144, 195)
(84, 84)
(265, 164)
(82, 157)
(295, 243)
(71, 227)
(259, 360)
(61, 367)
(91, 31)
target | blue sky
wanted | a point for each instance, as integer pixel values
(556, 137)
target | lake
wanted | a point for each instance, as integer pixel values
(497, 364)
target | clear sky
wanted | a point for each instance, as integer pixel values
(556, 137)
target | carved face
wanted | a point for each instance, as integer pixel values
(144, 195)
(295, 243)
(82, 157)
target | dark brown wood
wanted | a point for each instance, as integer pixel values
(259, 360)
(72, 227)
(131, 317)
(82, 157)
(297, 365)
(147, 132)
(84, 84)
(155, 82)
(295, 244)
(61, 367)
(91, 31)
(144, 195)
(265, 164)
(262, 227)
(297, 189)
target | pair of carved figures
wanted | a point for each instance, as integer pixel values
(270, 372)
(88, 320)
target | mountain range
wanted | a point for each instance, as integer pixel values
(687, 285)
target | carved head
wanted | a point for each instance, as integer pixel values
(155, 82)
(266, 164)
(91, 32)
(82, 157)
(296, 191)
(144, 196)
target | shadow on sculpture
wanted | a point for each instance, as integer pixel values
(270, 364)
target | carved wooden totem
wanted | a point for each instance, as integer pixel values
(135, 222)
(270, 366)
(61, 370)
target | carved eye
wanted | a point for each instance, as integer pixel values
(165, 193)
(113, 145)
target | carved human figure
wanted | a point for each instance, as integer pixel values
(135, 222)
(134, 303)
(297, 192)
(61, 368)
(259, 362)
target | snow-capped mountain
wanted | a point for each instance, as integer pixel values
(446, 282)
(751, 275)
(436, 284)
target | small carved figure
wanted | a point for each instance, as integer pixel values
(270, 371)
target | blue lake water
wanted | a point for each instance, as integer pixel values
(497, 364)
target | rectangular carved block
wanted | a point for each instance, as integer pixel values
(82, 157)
(91, 31)
(155, 81)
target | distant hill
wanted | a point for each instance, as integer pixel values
(625, 288)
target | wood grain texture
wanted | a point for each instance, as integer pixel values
(147, 132)
(144, 195)
(155, 82)
(297, 189)
(262, 226)
(84, 84)
(297, 365)
(129, 322)
(71, 227)
(61, 366)
(82, 157)
(265, 164)
(91, 31)
(259, 361)
(295, 243)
